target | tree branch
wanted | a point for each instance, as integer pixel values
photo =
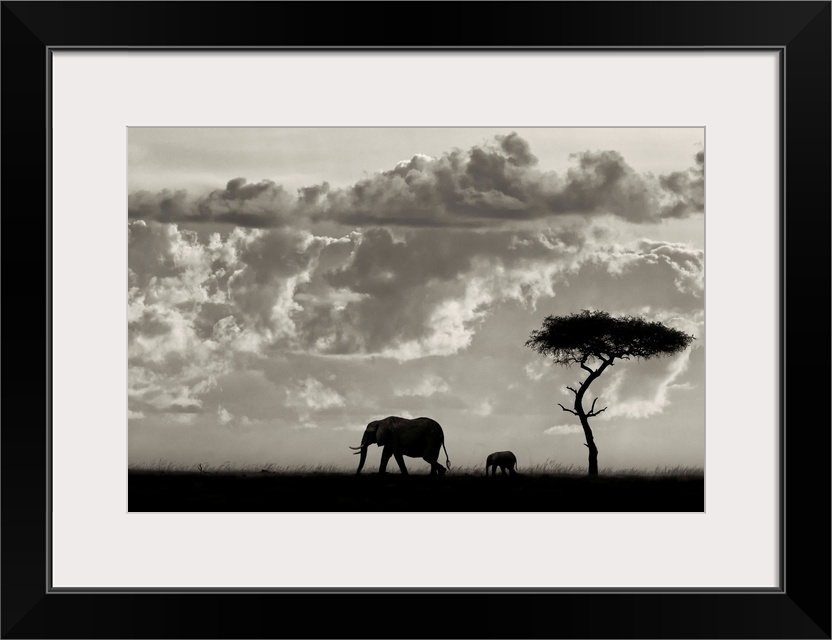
(583, 366)
(592, 412)
(572, 390)
(592, 408)
(565, 409)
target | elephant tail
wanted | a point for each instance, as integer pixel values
(447, 461)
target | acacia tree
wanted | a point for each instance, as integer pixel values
(598, 339)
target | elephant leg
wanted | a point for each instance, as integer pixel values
(385, 458)
(435, 468)
(400, 460)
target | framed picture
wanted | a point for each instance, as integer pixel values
(260, 241)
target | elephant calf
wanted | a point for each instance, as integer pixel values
(504, 460)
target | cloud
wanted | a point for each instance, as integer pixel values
(633, 277)
(200, 308)
(499, 182)
(428, 386)
(223, 416)
(488, 185)
(633, 403)
(196, 307)
(563, 429)
(536, 370)
(312, 395)
(426, 292)
(684, 190)
(352, 427)
(259, 205)
(484, 408)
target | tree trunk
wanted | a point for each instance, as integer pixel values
(593, 458)
(579, 410)
(590, 444)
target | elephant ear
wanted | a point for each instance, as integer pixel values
(383, 433)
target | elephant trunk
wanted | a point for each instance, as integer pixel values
(362, 459)
(367, 439)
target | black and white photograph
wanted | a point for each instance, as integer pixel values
(416, 319)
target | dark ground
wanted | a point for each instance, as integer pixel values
(185, 491)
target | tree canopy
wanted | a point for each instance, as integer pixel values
(596, 335)
(580, 337)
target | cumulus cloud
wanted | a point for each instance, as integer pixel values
(194, 307)
(488, 185)
(311, 396)
(223, 415)
(659, 398)
(684, 190)
(199, 309)
(628, 278)
(428, 386)
(427, 292)
(258, 205)
(648, 392)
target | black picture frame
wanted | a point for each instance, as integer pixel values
(799, 608)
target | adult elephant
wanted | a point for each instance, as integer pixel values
(416, 438)
(503, 459)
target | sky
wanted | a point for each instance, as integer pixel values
(286, 286)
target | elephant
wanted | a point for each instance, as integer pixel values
(504, 460)
(416, 438)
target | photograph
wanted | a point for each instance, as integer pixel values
(427, 319)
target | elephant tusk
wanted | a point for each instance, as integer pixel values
(354, 448)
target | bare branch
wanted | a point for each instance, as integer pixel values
(565, 409)
(583, 366)
(592, 414)
(592, 408)
(572, 390)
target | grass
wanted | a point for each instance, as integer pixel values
(321, 488)
(548, 468)
(166, 466)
